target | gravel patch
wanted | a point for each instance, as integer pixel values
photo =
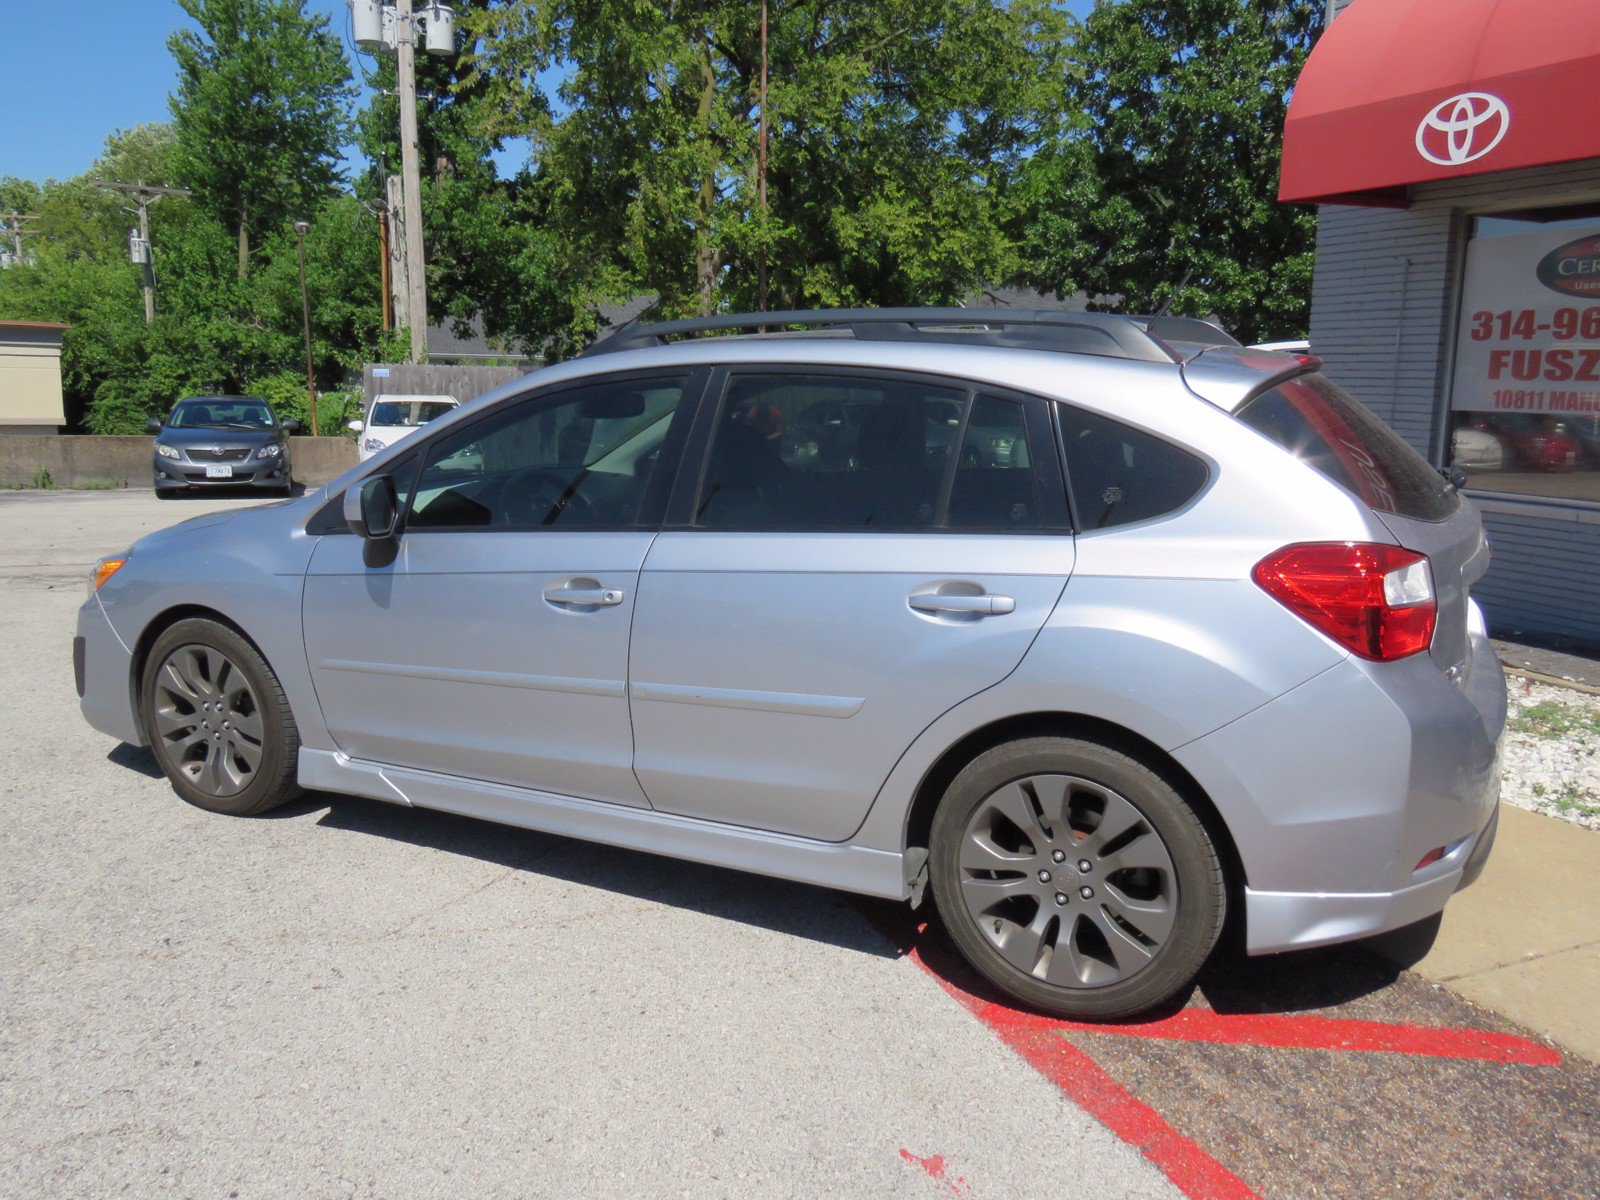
(1552, 761)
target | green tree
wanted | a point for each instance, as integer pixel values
(261, 112)
(1161, 190)
(213, 331)
(897, 129)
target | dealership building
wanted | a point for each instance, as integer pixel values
(1453, 147)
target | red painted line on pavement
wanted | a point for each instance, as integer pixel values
(1293, 1032)
(938, 1170)
(1039, 1040)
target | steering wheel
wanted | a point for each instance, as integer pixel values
(531, 496)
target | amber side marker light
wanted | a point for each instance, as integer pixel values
(106, 568)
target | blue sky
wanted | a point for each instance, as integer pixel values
(94, 66)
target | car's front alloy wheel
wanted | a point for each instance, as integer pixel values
(218, 721)
(1075, 878)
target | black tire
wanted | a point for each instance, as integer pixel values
(1038, 885)
(237, 716)
(167, 493)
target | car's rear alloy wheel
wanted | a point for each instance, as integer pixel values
(1075, 878)
(218, 721)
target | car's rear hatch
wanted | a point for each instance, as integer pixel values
(1316, 420)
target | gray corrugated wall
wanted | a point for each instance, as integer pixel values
(1544, 576)
(1382, 317)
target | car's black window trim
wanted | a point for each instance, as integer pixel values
(1048, 472)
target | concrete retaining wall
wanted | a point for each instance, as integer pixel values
(74, 461)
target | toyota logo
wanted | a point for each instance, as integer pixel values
(1463, 128)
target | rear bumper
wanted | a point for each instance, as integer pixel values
(1335, 792)
(1277, 921)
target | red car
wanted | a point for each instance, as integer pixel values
(1538, 443)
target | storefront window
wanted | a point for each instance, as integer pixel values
(1525, 397)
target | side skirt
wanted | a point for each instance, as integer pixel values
(826, 864)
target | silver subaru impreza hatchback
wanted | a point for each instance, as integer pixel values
(1099, 630)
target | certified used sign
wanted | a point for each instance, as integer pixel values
(1529, 339)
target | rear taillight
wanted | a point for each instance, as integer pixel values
(1376, 601)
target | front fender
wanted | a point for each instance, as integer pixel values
(249, 569)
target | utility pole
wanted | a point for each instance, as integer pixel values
(15, 227)
(301, 228)
(411, 178)
(385, 301)
(761, 164)
(399, 289)
(144, 196)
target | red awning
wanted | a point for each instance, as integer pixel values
(1398, 92)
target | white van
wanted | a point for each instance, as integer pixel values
(393, 417)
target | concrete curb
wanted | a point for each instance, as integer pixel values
(1524, 940)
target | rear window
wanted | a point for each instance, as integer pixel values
(1320, 423)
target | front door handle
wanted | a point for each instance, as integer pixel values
(585, 597)
(982, 606)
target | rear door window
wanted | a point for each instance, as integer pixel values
(1320, 423)
(865, 452)
(995, 486)
(1119, 475)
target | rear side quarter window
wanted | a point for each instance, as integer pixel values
(1119, 475)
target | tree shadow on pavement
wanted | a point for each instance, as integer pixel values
(799, 910)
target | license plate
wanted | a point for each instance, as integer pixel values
(214, 471)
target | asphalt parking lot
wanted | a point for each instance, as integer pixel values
(349, 999)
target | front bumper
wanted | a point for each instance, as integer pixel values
(1336, 792)
(173, 474)
(105, 676)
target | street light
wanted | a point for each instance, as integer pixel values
(301, 228)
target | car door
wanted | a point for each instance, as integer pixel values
(809, 610)
(494, 645)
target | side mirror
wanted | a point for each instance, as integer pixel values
(291, 426)
(152, 426)
(356, 426)
(372, 508)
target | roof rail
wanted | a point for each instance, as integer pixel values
(1107, 334)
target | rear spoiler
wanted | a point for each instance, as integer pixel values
(1229, 377)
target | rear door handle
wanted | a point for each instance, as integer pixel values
(983, 606)
(585, 597)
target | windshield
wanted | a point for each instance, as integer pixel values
(221, 414)
(408, 413)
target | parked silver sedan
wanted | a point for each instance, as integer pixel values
(1197, 647)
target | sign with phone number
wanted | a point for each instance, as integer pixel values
(1528, 342)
